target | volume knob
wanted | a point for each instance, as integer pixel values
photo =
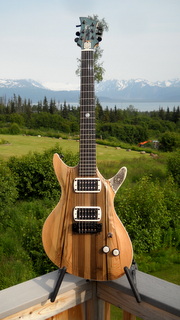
(105, 249)
(115, 252)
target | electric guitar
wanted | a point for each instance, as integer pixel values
(83, 232)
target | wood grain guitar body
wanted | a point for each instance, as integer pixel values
(98, 256)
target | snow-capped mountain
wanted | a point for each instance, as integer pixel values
(23, 83)
(109, 90)
(33, 90)
(140, 89)
(123, 84)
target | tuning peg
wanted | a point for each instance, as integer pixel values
(78, 33)
(99, 39)
(100, 31)
(79, 25)
(76, 39)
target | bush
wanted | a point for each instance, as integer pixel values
(15, 263)
(8, 190)
(14, 129)
(35, 174)
(31, 220)
(173, 165)
(144, 214)
(169, 141)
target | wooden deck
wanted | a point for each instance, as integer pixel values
(79, 299)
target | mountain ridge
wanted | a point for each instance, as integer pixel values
(108, 91)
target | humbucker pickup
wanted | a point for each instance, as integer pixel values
(87, 185)
(86, 227)
(87, 214)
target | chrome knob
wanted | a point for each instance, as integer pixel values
(106, 249)
(115, 252)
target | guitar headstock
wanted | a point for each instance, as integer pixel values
(89, 35)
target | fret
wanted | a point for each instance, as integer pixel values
(83, 134)
(86, 123)
(88, 150)
(85, 144)
(88, 166)
(88, 155)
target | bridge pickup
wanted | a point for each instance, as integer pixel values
(87, 214)
(88, 227)
(87, 185)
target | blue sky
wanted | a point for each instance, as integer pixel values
(37, 39)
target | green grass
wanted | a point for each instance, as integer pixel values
(18, 145)
(109, 159)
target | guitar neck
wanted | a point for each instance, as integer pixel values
(87, 163)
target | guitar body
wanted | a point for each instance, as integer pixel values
(82, 254)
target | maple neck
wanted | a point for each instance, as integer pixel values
(87, 163)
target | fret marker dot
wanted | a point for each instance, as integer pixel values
(87, 115)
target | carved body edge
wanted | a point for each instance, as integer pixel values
(117, 180)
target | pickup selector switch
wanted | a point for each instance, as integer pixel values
(106, 249)
(115, 252)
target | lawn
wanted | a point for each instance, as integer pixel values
(18, 145)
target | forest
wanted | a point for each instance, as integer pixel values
(128, 125)
(148, 204)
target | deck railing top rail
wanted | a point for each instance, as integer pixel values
(160, 299)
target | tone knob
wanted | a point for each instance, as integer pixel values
(106, 249)
(115, 252)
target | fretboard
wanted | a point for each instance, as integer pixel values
(87, 163)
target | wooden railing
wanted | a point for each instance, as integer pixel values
(79, 299)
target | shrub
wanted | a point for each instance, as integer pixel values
(35, 174)
(144, 213)
(15, 263)
(8, 190)
(169, 141)
(14, 128)
(173, 165)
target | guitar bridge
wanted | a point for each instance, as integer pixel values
(87, 214)
(87, 185)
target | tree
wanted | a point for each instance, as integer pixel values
(168, 141)
(52, 106)
(45, 105)
(98, 66)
